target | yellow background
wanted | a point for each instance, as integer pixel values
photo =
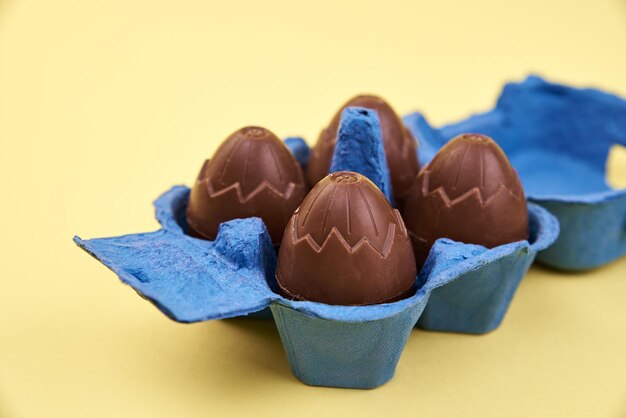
(105, 104)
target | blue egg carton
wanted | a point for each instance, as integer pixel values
(558, 139)
(193, 280)
(481, 284)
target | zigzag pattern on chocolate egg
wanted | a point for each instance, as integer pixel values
(469, 193)
(480, 182)
(236, 187)
(476, 191)
(357, 215)
(346, 245)
(254, 140)
(252, 174)
(364, 241)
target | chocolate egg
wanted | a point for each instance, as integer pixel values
(346, 245)
(469, 193)
(252, 173)
(400, 146)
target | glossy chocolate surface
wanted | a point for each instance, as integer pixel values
(252, 173)
(400, 146)
(346, 245)
(469, 193)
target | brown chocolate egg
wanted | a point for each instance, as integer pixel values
(469, 193)
(346, 245)
(400, 146)
(251, 174)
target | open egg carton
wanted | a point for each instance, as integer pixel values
(352, 283)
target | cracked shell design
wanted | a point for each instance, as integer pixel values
(468, 193)
(346, 245)
(252, 174)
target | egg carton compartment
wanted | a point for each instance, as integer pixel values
(558, 139)
(482, 281)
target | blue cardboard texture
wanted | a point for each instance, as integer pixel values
(592, 234)
(558, 139)
(360, 355)
(189, 279)
(472, 286)
(299, 149)
(360, 148)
